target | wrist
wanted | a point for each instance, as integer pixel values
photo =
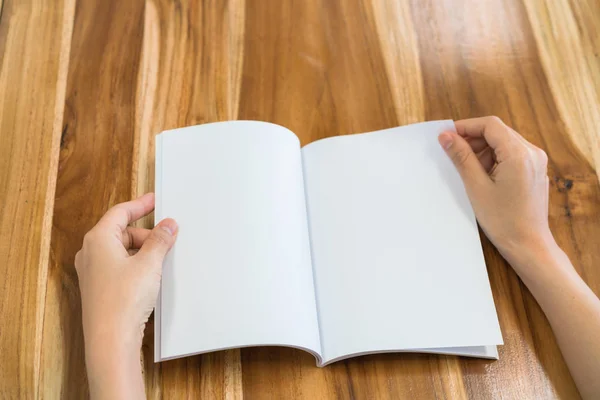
(113, 364)
(525, 252)
(539, 261)
(100, 345)
(550, 277)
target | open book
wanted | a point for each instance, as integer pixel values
(350, 245)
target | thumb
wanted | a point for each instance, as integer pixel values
(464, 159)
(160, 240)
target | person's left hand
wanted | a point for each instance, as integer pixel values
(119, 284)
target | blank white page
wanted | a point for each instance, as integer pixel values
(240, 272)
(396, 252)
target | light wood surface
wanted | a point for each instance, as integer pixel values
(85, 85)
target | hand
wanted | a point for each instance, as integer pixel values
(506, 180)
(119, 286)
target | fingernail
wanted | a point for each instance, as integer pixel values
(169, 225)
(149, 195)
(446, 140)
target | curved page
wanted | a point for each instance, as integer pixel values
(240, 272)
(396, 253)
(489, 352)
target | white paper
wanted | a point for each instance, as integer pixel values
(489, 352)
(240, 272)
(396, 253)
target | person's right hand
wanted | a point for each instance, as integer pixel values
(506, 180)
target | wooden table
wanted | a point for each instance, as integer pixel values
(86, 84)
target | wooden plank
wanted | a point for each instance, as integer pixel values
(95, 171)
(190, 73)
(397, 38)
(574, 79)
(321, 75)
(34, 48)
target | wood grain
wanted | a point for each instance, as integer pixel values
(575, 80)
(85, 86)
(34, 48)
(94, 172)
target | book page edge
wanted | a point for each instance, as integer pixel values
(491, 353)
(157, 218)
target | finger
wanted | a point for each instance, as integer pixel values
(487, 159)
(159, 242)
(477, 144)
(524, 141)
(492, 129)
(547, 192)
(134, 238)
(132, 252)
(464, 159)
(123, 214)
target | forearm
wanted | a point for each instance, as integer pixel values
(571, 307)
(114, 368)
